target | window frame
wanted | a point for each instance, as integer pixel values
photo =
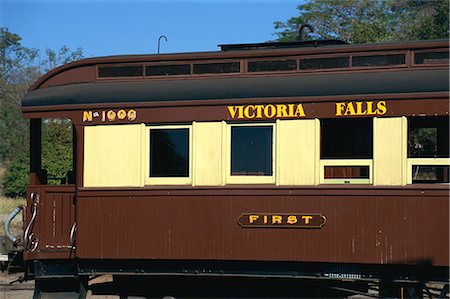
(148, 180)
(249, 179)
(345, 162)
(422, 161)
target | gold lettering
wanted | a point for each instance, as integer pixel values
(277, 219)
(281, 111)
(359, 108)
(232, 110)
(272, 112)
(87, 116)
(266, 111)
(382, 109)
(370, 108)
(265, 219)
(299, 112)
(247, 112)
(121, 114)
(240, 112)
(259, 109)
(340, 108)
(252, 218)
(307, 219)
(292, 219)
(111, 115)
(291, 110)
(132, 115)
(350, 110)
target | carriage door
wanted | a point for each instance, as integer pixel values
(50, 212)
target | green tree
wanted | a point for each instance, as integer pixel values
(369, 21)
(16, 177)
(421, 19)
(19, 68)
(56, 149)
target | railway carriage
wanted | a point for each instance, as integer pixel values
(312, 161)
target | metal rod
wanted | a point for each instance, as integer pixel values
(6, 226)
(301, 33)
(159, 41)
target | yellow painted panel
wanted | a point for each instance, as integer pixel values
(297, 152)
(112, 156)
(389, 151)
(207, 154)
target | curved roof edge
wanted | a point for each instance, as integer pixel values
(236, 54)
(387, 82)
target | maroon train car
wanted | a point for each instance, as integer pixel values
(314, 161)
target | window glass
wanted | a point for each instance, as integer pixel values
(169, 152)
(346, 172)
(217, 68)
(378, 60)
(428, 137)
(346, 138)
(168, 70)
(430, 174)
(431, 57)
(251, 150)
(120, 71)
(272, 65)
(323, 63)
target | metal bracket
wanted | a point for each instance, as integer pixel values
(73, 234)
(30, 239)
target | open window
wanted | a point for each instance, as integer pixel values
(346, 151)
(52, 151)
(251, 154)
(428, 150)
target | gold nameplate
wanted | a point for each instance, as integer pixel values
(281, 220)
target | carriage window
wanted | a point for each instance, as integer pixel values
(347, 172)
(169, 152)
(168, 70)
(430, 174)
(217, 68)
(346, 139)
(346, 151)
(378, 60)
(57, 151)
(120, 71)
(272, 65)
(431, 58)
(324, 63)
(251, 150)
(428, 150)
(428, 137)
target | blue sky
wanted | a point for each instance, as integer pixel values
(111, 27)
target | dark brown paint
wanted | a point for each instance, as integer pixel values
(363, 225)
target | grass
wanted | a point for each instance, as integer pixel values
(7, 205)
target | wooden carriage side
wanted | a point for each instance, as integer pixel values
(332, 126)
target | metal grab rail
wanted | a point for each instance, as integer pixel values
(7, 225)
(30, 240)
(72, 236)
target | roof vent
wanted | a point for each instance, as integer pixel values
(282, 45)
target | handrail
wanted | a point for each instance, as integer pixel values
(30, 239)
(72, 236)
(7, 224)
